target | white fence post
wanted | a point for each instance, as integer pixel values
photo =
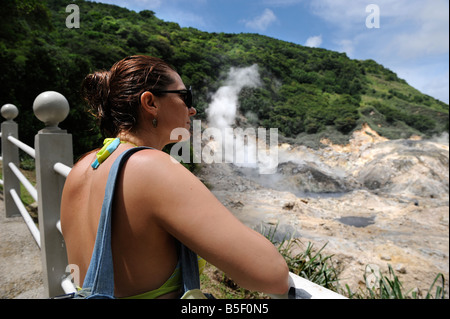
(53, 145)
(10, 154)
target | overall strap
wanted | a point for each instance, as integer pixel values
(100, 275)
(189, 269)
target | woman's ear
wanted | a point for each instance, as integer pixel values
(148, 103)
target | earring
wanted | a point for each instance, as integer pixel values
(155, 123)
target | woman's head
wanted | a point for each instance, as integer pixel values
(115, 96)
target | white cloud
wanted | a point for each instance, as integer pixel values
(314, 42)
(136, 5)
(429, 78)
(153, 4)
(413, 38)
(183, 18)
(429, 33)
(408, 27)
(347, 46)
(438, 87)
(281, 3)
(262, 22)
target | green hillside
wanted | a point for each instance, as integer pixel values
(307, 93)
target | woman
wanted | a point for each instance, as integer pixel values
(157, 201)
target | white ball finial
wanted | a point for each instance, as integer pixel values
(51, 108)
(9, 112)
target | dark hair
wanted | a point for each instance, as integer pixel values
(114, 96)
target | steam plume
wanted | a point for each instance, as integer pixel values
(223, 108)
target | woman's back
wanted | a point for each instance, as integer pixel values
(144, 254)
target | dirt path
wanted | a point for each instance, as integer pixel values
(20, 263)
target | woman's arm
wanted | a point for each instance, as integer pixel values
(185, 208)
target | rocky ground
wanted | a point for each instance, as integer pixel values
(374, 203)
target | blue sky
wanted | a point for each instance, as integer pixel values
(412, 39)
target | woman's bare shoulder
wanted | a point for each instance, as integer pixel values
(155, 162)
(84, 161)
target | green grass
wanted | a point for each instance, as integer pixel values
(310, 263)
(31, 176)
(389, 287)
(26, 198)
(404, 112)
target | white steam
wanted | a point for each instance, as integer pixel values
(224, 106)
(237, 146)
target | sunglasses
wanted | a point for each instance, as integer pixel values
(186, 95)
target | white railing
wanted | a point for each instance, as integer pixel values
(53, 156)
